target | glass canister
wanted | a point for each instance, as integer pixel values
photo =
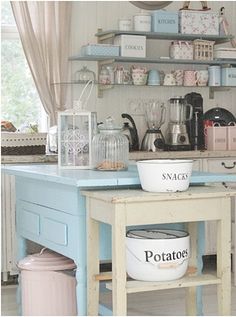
(110, 148)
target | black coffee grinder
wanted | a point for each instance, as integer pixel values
(195, 126)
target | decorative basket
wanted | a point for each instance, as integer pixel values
(203, 50)
(14, 143)
(181, 50)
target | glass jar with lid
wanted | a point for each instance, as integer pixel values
(110, 148)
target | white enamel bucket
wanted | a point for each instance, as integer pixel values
(157, 254)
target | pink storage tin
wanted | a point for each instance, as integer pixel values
(216, 138)
(48, 287)
(231, 137)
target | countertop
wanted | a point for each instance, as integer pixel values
(139, 155)
(91, 178)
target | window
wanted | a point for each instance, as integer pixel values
(20, 100)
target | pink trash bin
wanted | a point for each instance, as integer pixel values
(48, 285)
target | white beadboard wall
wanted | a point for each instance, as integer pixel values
(88, 16)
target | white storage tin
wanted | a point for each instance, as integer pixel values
(157, 254)
(165, 175)
(131, 45)
(142, 22)
(225, 52)
(125, 24)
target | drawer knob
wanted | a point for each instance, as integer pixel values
(228, 167)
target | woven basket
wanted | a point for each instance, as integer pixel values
(203, 50)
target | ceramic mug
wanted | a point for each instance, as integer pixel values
(138, 70)
(126, 77)
(154, 77)
(202, 77)
(190, 78)
(125, 24)
(179, 77)
(169, 80)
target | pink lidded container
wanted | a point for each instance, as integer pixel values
(231, 129)
(48, 285)
(216, 138)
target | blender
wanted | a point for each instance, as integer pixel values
(177, 135)
(155, 115)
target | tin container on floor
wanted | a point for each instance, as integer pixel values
(48, 285)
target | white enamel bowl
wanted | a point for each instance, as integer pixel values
(165, 175)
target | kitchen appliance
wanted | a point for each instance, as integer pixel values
(130, 132)
(177, 135)
(155, 116)
(219, 115)
(195, 126)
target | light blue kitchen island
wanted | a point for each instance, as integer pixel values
(50, 211)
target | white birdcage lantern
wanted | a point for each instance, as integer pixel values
(76, 128)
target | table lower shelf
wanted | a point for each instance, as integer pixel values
(134, 286)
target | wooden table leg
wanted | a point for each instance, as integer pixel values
(119, 294)
(234, 241)
(224, 259)
(92, 264)
(191, 292)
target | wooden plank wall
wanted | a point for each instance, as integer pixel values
(88, 16)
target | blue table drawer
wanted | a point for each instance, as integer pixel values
(51, 194)
(29, 221)
(54, 231)
(57, 230)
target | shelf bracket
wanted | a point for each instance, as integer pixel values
(212, 91)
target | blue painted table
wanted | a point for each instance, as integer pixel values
(50, 210)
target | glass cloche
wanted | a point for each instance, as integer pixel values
(84, 75)
(110, 148)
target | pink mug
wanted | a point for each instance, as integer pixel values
(190, 78)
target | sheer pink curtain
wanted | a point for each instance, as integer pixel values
(44, 29)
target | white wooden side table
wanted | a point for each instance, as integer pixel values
(122, 208)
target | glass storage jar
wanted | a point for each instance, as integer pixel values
(110, 148)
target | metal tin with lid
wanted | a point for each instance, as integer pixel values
(46, 260)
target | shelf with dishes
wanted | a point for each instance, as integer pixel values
(117, 47)
(148, 60)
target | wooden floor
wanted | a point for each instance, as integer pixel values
(158, 303)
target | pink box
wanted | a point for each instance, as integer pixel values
(231, 136)
(216, 138)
